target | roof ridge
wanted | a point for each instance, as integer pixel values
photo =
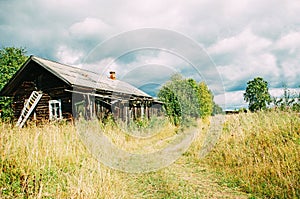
(86, 77)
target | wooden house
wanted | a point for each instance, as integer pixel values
(48, 90)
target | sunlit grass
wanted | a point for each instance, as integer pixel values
(142, 138)
(50, 161)
(260, 152)
(257, 152)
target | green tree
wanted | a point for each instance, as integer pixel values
(217, 109)
(185, 98)
(206, 100)
(11, 59)
(179, 99)
(257, 94)
(171, 104)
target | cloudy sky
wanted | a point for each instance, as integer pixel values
(241, 39)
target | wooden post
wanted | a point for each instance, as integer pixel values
(142, 111)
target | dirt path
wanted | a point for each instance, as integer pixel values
(183, 179)
(188, 177)
(207, 183)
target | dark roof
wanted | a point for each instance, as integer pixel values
(74, 76)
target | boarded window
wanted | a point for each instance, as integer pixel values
(80, 108)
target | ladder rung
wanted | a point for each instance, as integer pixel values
(28, 107)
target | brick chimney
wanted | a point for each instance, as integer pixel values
(112, 75)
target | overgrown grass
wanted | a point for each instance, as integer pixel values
(51, 162)
(260, 152)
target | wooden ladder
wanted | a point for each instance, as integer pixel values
(29, 107)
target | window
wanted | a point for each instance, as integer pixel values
(55, 110)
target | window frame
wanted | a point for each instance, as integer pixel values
(52, 106)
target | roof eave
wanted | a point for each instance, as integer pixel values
(80, 87)
(5, 91)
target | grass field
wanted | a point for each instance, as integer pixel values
(260, 153)
(256, 156)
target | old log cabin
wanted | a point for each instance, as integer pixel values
(48, 90)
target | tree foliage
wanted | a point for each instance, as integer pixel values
(217, 109)
(185, 98)
(257, 94)
(206, 100)
(11, 59)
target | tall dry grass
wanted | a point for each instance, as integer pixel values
(50, 161)
(260, 152)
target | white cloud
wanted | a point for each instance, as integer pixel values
(287, 48)
(89, 27)
(147, 66)
(233, 100)
(245, 42)
(290, 42)
(242, 57)
(245, 38)
(291, 72)
(68, 56)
